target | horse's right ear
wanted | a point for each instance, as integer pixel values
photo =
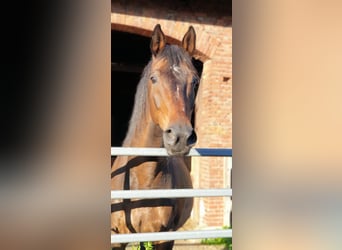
(158, 40)
(189, 40)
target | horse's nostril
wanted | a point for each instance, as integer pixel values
(192, 138)
(172, 136)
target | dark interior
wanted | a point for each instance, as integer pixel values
(129, 54)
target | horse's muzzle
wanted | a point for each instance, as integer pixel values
(178, 139)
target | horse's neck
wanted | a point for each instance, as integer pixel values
(144, 133)
(144, 136)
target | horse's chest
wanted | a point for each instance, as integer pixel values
(153, 215)
(152, 177)
(153, 219)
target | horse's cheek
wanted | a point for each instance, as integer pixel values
(160, 118)
(155, 116)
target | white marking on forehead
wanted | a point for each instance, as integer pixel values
(175, 68)
(178, 96)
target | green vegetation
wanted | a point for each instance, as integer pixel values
(227, 242)
(147, 245)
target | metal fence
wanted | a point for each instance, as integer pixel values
(173, 193)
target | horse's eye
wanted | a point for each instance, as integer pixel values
(153, 79)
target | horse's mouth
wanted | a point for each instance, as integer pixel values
(176, 152)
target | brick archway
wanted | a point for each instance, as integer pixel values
(174, 32)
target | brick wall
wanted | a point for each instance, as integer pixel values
(212, 22)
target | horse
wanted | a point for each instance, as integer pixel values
(161, 117)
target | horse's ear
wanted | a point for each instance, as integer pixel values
(158, 40)
(189, 40)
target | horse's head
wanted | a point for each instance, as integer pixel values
(171, 85)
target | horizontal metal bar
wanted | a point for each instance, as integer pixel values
(181, 235)
(162, 151)
(169, 193)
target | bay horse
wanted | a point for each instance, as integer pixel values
(161, 117)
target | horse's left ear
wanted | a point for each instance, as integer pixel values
(189, 40)
(158, 40)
